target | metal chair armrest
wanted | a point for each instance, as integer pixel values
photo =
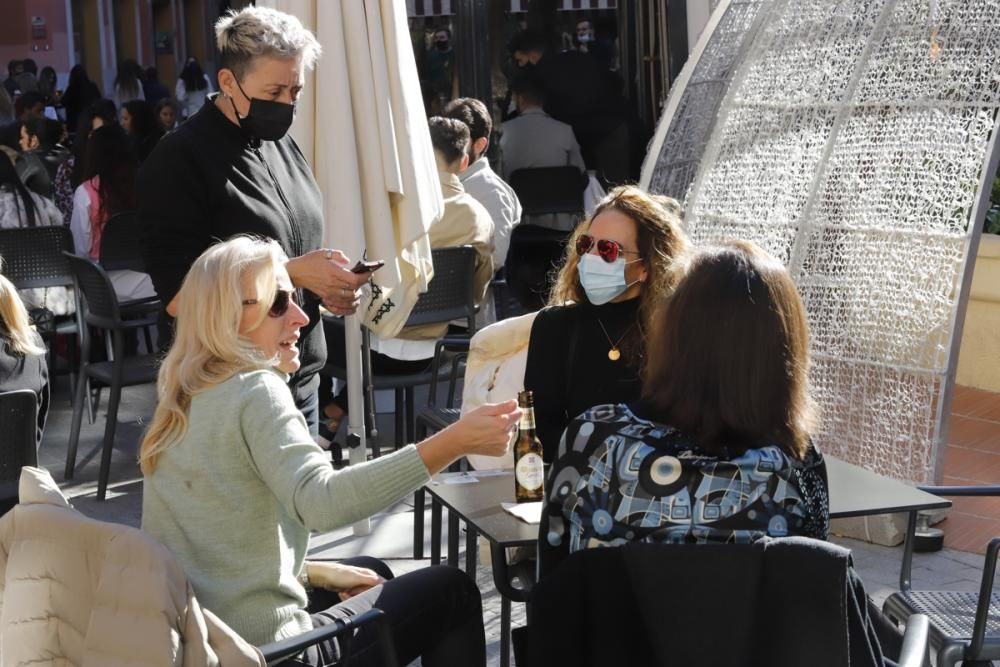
(146, 300)
(456, 344)
(275, 652)
(914, 651)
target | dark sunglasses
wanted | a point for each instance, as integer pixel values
(280, 305)
(608, 250)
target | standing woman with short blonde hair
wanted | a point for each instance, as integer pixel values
(232, 168)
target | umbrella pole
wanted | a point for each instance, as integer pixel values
(357, 447)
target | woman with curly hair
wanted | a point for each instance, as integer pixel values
(586, 348)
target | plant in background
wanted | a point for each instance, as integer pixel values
(992, 225)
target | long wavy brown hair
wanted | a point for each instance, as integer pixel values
(661, 242)
(728, 355)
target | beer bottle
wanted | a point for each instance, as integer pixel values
(528, 471)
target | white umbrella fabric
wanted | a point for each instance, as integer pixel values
(361, 122)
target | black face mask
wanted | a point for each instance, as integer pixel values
(442, 46)
(267, 120)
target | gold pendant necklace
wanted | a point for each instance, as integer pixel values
(614, 354)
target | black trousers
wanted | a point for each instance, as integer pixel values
(435, 613)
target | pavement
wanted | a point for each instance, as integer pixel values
(391, 531)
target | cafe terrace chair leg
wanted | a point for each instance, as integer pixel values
(436, 418)
(503, 578)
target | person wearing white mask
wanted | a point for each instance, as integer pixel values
(584, 35)
(586, 346)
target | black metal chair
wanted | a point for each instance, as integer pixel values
(18, 446)
(343, 630)
(122, 243)
(33, 258)
(450, 296)
(963, 626)
(787, 601)
(536, 251)
(100, 308)
(435, 418)
(544, 190)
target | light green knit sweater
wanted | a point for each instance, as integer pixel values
(236, 497)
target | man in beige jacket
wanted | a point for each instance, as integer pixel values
(465, 222)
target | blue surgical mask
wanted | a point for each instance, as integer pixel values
(603, 281)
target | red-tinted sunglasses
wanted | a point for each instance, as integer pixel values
(280, 305)
(608, 250)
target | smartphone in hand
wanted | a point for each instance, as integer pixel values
(368, 267)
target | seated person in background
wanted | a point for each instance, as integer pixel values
(41, 154)
(28, 105)
(587, 347)
(22, 353)
(108, 188)
(139, 121)
(535, 139)
(234, 482)
(20, 207)
(465, 222)
(154, 89)
(166, 115)
(69, 176)
(718, 449)
(480, 181)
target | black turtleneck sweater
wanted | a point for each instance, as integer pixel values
(207, 181)
(568, 368)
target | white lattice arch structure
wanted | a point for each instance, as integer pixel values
(853, 140)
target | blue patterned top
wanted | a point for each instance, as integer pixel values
(620, 478)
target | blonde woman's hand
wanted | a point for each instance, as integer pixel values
(485, 431)
(345, 580)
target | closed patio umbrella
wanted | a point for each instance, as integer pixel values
(361, 122)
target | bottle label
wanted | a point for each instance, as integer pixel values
(529, 471)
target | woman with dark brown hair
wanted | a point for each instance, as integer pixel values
(108, 188)
(718, 448)
(586, 348)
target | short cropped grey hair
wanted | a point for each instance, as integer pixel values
(255, 32)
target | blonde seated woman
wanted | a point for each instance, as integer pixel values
(234, 482)
(22, 353)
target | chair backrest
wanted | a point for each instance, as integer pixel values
(33, 256)
(535, 255)
(18, 444)
(543, 190)
(787, 601)
(99, 301)
(451, 293)
(122, 244)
